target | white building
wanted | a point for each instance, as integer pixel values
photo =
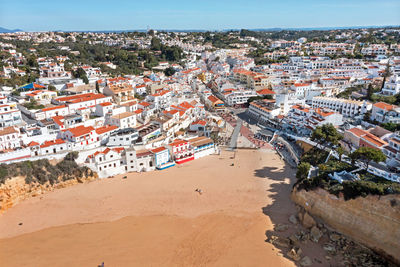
(107, 162)
(392, 86)
(383, 113)
(10, 138)
(124, 120)
(123, 137)
(346, 107)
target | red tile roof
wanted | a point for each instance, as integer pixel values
(158, 149)
(52, 143)
(53, 108)
(80, 130)
(201, 122)
(385, 106)
(105, 104)
(106, 128)
(178, 142)
(265, 92)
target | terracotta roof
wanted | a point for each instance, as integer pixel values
(80, 130)
(105, 104)
(201, 122)
(33, 143)
(213, 99)
(106, 128)
(143, 153)
(298, 107)
(323, 113)
(385, 106)
(144, 104)
(374, 140)
(199, 141)
(158, 149)
(52, 143)
(123, 115)
(105, 151)
(8, 130)
(53, 108)
(265, 92)
(357, 131)
(178, 142)
(186, 105)
(80, 98)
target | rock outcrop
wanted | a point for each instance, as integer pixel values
(16, 189)
(373, 221)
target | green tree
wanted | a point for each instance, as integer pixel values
(367, 116)
(79, 73)
(169, 71)
(303, 170)
(155, 44)
(370, 92)
(340, 150)
(85, 79)
(326, 136)
(368, 154)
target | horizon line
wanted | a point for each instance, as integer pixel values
(218, 30)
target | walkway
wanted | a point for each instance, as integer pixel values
(235, 134)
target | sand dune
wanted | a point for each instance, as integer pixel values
(156, 218)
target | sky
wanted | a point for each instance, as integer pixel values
(82, 15)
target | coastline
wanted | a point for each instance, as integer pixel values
(223, 226)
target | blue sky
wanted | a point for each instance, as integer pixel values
(41, 15)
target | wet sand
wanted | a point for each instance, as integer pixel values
(157, 218)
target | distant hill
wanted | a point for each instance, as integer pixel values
(4, 30)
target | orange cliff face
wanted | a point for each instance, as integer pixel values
(373, 221)
(16, 189)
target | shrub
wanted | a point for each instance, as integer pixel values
(314, 156)
(41, 171)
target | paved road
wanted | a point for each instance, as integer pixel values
(235, 134)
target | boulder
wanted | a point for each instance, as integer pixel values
(281, 242)
(329, 248)
(316, 234)
(293, 219)
(334, 237)
(295, 254)
(306, 220)
(294, 239)
(281, 227)
(306, 261)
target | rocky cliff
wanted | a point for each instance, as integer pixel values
(16, 189)
(373, 221)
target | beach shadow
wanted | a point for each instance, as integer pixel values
(282, 207)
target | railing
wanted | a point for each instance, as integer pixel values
(384, 174)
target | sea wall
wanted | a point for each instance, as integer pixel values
(16, 189)
(374, 221)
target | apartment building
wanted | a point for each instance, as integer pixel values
(346, 107)
(383, 113)
(391, 86)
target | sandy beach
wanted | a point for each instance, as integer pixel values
(157, 218)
